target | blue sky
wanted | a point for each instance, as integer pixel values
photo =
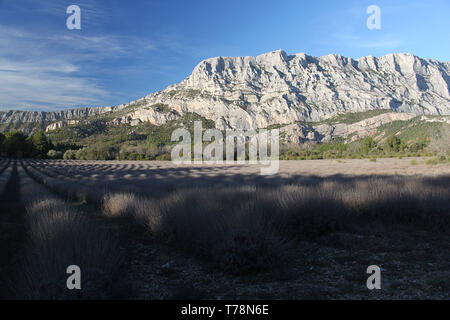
(128, 49)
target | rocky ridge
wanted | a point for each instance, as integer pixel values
(274, 88)
(301, 133)
(279, 89)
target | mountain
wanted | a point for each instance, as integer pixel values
(29, 120)
(276, 89)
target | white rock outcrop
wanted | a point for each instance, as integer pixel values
(276, 88)
(61, 124)
(300, 133)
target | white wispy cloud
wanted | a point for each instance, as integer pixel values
(38, 89)
(54, 70)
(34, 71)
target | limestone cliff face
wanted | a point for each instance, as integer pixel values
(155, 116)
(60, 124)
(276, 88)
(40, 116)
(300, 133)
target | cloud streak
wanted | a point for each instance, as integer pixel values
(55, 70)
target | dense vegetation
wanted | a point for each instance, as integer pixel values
(28, 128)
(15, 144)
(352, 117)
(393, 146)
(95, 140)
(397, 139)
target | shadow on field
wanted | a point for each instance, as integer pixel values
(245, 225)
(59, 236)
(249, 225)
(12, 233)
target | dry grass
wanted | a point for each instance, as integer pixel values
(119, 205)
(263, 225)
(5, 174)
(60, 236)
(248, 229)
(90, 180)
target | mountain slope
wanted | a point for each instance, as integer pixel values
(274, 88)
(277, 89)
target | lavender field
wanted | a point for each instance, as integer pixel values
(153, 230)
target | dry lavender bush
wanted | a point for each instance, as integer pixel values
(249, 229)
(66, 188)
(60, 236)
(5, 174)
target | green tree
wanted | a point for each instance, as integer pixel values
(53, 154)
(2, 141)
(15, 144)
(41, 144)
(368, 144)
(81, 154)
(70, 154)
(393, 143)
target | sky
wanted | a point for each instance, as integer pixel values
(128, 49)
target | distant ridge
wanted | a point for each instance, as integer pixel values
(276, 88)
